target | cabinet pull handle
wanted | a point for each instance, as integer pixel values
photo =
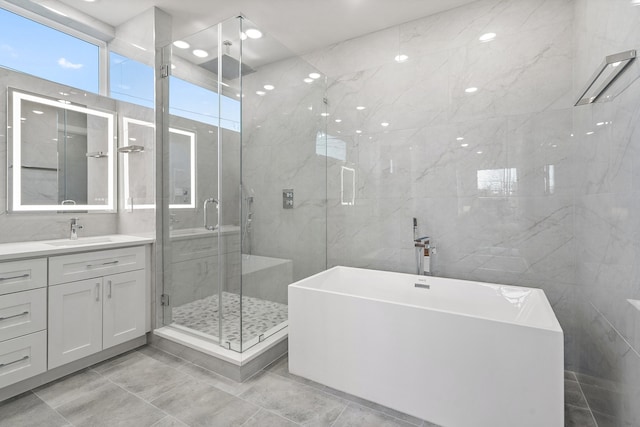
(104, 263)
(97, 291)
(109, 283)
(2, 365)
(22, 276)
(24, 313)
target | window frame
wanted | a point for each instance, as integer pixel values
(103, 50)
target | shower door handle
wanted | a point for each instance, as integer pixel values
(206, 202)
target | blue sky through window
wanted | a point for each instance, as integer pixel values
(33, 48)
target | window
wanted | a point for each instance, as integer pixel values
(197, 103)
(42, 51)
(130, 80)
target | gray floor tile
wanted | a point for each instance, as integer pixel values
(578, 417)
(375, 406)
(218, 381)
(359, 416)
(267, 419)
(199, 404)
(146, 377)
(28, 410)
(69, 388)
(110, 405)
(573, 394)
(161, 356)
(125, 358)
(294, 401)
(281, 367)
(169, 421)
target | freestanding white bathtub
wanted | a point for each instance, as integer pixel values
(457, 354)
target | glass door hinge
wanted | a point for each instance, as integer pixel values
(164, 299)
(164, 71)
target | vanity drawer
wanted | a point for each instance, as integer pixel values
(16, 276)
(87, 265)
(22, 358)
(22, 313)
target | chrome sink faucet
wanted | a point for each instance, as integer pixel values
(75, 226)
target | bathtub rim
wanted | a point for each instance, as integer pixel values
(555, 327)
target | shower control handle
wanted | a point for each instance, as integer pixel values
(206, 202)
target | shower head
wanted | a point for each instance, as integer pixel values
(230, 67)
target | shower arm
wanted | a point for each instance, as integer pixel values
(206, 202)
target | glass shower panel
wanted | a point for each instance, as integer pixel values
(193, 249)
(283, 191)
(229, 73)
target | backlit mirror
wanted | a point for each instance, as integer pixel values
(61, 156)
(137, 148)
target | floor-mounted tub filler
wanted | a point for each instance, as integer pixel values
(453, 352)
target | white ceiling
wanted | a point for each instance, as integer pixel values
(300, 25)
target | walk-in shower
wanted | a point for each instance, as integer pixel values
(245, 98)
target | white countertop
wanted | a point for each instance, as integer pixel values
(64, 246)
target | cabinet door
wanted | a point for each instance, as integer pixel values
(75, 321)
(124, 307)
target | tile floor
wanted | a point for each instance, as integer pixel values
(148, 387)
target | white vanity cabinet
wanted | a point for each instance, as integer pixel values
(104, 308)
(23, 320)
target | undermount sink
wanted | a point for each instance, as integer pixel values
(81, 241)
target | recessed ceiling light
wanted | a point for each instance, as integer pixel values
(401, 58)
(132, 139)
(360, 107)
(23, 118)
(471, 89)
(200, 53)
(314, 75)
(479, 152)
(37, 112)
(600, 124)
(269, 87)
(384, 124)
(358, 131)
(590, 133)
(253, 33)
(63, 93)
(487, 37)
(181, 44)
(308, 80)
(324, 114)
(460, 138)
(554, 146)
(261, 92)
(338, 120)
(90, 1)
(464, 145)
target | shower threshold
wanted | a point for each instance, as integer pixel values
(210, 355)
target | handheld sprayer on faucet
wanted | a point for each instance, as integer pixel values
(424, 250)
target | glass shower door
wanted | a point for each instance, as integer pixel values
(200, 228)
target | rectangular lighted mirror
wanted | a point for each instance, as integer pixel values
(137, 149)
(62, 155)
(605, 75)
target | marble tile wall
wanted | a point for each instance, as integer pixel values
(282, 132)
(489, 175)
(607, 212)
